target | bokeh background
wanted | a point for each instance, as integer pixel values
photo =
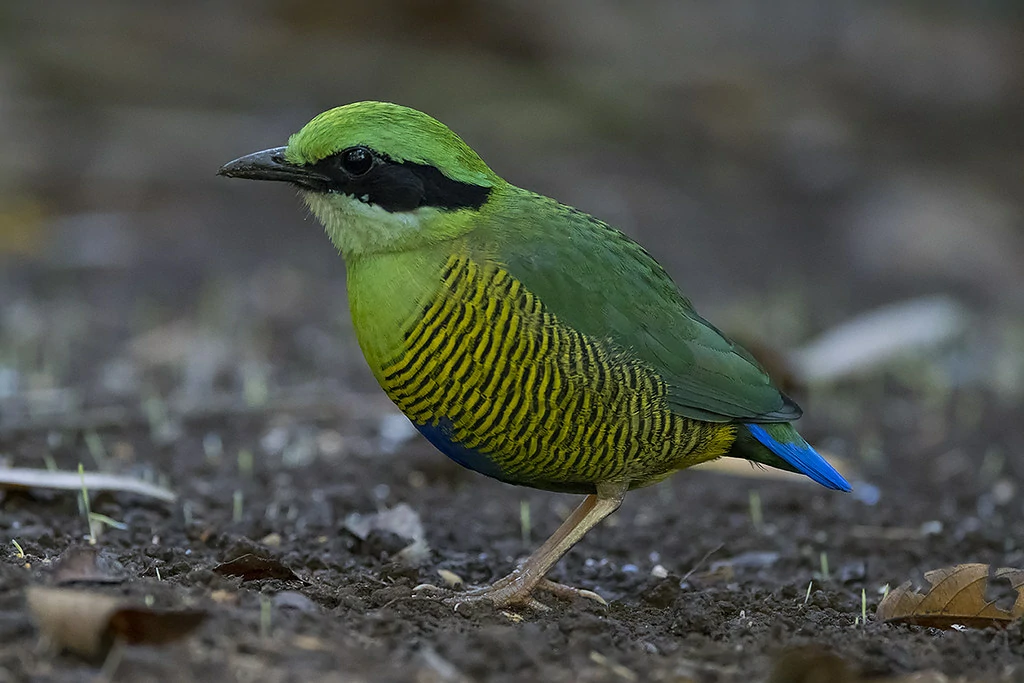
(795, 161)
(793, 165)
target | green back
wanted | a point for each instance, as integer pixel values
(605, 285)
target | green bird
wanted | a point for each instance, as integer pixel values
(525, 339)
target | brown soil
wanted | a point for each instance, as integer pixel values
(734, 600)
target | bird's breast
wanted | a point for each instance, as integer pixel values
(499, 383)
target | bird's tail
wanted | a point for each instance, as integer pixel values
(779, 445)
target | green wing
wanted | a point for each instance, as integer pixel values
(605, 285)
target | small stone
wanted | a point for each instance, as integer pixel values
(450, 578)
(1003, 491)
(330, 443)
(294, 600)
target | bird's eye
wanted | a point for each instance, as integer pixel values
(356, 160)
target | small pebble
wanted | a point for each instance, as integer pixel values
(451, 579)
(1003, 491)
(395, 429)
(869, 494)
(659, 572)
(294, 600)
(330, 443)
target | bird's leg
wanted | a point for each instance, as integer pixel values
(518, 586)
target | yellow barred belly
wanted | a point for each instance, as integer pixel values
(534, 401)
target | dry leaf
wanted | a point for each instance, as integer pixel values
(253, 567)
(811, 664)
(401, 521)
(88, 623)
(312, 643)
(874, 338)
(294, 600)
(28, 478)
(957, 596)
(86, 565)
(450, 578)
(143, 626)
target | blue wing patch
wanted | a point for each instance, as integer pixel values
(440, 435)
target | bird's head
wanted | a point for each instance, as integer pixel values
(379, 176)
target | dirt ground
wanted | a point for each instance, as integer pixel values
(282, 472)
(192, 331)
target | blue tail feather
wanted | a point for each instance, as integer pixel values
(801, 456)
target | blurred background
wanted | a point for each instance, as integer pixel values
(837, 184)
(792, 164)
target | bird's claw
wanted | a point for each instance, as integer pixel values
(505, 594)
(560, 590)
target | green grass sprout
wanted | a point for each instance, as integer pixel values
(245, 463)
(524, 521)
(756, 513)
(96, 449)
(266, 614)
(107, 521)
(85, 505)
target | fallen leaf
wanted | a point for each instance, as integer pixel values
(311, 643)
(271, 540)
(811, 664)
(957, 596)
(402, 521)
(144, 626)
(29, 478)
(88, 623)
(253, 567)
(294, 600)
(86, 565)
(877, 337)
(749, 560)
(450, 578)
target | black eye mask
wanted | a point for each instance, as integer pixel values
(396, 186)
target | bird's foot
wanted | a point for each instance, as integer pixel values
(513, 591)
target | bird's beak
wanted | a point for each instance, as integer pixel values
(270, 164)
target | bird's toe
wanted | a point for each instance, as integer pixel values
(565, 592)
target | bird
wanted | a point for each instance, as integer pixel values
(525, 339)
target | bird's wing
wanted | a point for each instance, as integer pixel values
(605, 285)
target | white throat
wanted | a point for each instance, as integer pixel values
(356, 227)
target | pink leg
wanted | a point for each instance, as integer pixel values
(517, 588)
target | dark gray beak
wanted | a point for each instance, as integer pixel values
(270, 164)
